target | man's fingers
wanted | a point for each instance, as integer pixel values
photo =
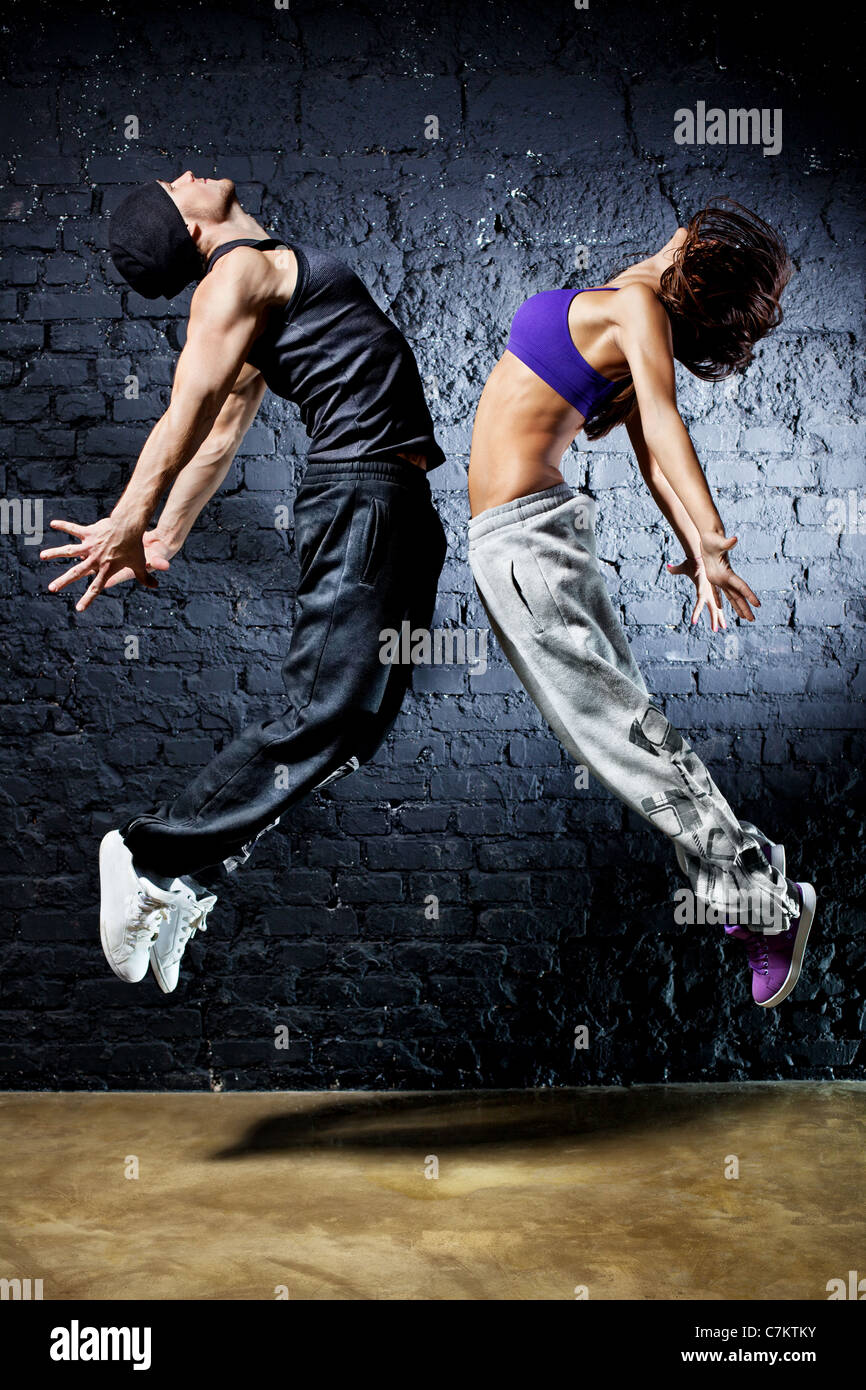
(77, 572)
(90, 594)
(60, 552)
(71, 526)
(145, 578)
(122, 577)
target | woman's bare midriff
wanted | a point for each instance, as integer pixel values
(522, 429)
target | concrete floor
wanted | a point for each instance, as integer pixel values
(620, 1191)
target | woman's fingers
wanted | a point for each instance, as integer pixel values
(740, 605)
(735, 601)
(735, 584)
(746, 597)
(715, 607)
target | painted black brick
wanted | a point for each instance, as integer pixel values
(452, 914)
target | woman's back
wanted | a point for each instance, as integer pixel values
(562, 359)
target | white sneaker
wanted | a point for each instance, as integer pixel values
(188, 915)
(132, 910)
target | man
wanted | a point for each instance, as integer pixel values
(369, 541)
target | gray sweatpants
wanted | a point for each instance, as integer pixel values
(534, 562)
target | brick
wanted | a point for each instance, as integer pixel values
(94, 305)
(544, 891)
(819, 612)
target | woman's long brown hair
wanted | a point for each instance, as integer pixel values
(721, 294)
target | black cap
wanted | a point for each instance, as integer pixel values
(150, 245)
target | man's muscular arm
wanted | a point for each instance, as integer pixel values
(205, 472)
(223, 325)
(197, 482)
(225, 319)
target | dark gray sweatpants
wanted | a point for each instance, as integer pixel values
(370, 546)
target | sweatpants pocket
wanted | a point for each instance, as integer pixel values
(373, 541)
(524, 581)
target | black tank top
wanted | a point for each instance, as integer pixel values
(347, 367)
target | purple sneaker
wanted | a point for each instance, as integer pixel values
(776, 961)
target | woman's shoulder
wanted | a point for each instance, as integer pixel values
(637, 302)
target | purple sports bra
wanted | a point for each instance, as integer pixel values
(541, 339)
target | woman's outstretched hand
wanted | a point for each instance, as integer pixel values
(707, 596)
(715, 548)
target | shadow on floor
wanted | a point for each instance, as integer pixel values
(474, 1119)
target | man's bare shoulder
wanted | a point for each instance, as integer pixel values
(244, 281)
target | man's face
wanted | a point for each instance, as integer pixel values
(200, 200)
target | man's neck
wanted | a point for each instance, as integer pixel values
(238, 226)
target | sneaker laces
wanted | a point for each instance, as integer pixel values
(144, 914)
(756, 950)
(194, 919)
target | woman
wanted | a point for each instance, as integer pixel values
(590, 360)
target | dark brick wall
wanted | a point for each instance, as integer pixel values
(555, 132)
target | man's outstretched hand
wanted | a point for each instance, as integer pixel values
(156, 548)
(715, 548)
(111, 551)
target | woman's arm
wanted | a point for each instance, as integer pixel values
(644, 337)
(670, 506)
(663, 494)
